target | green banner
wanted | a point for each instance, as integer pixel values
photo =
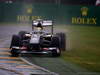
(61, 14)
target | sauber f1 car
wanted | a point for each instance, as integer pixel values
(39, 41)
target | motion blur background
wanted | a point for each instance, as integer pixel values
(61, 11)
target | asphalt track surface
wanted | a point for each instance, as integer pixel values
(53, 65)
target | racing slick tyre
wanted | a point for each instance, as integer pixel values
(16, 41)
(62, 41)
(22, 33)
(55, 41)
(56, 53)
(14, 53)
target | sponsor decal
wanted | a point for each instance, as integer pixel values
(29, 10)
(84, 18)
(22, 18)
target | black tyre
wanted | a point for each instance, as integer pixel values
(14, 53)
(16, 41)
(22, 33)
(62, 41)
(55, 53)
(55, 42)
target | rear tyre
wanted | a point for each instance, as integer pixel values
(55, 42)
(22, 33)
(62, 41)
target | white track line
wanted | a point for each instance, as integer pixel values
(51, 73)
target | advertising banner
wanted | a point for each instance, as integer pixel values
(61, 13)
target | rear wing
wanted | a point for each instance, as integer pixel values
(43, 22)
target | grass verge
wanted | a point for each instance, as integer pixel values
(84, 46)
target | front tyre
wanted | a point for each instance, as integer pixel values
(14, 53)
(56, 53)
(62, 41)
(16, 41)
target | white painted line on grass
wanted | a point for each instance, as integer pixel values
(51, 73)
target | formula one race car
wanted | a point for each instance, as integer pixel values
(39, 41)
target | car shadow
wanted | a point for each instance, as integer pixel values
(37, 55)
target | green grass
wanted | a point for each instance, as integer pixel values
(84, 46)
